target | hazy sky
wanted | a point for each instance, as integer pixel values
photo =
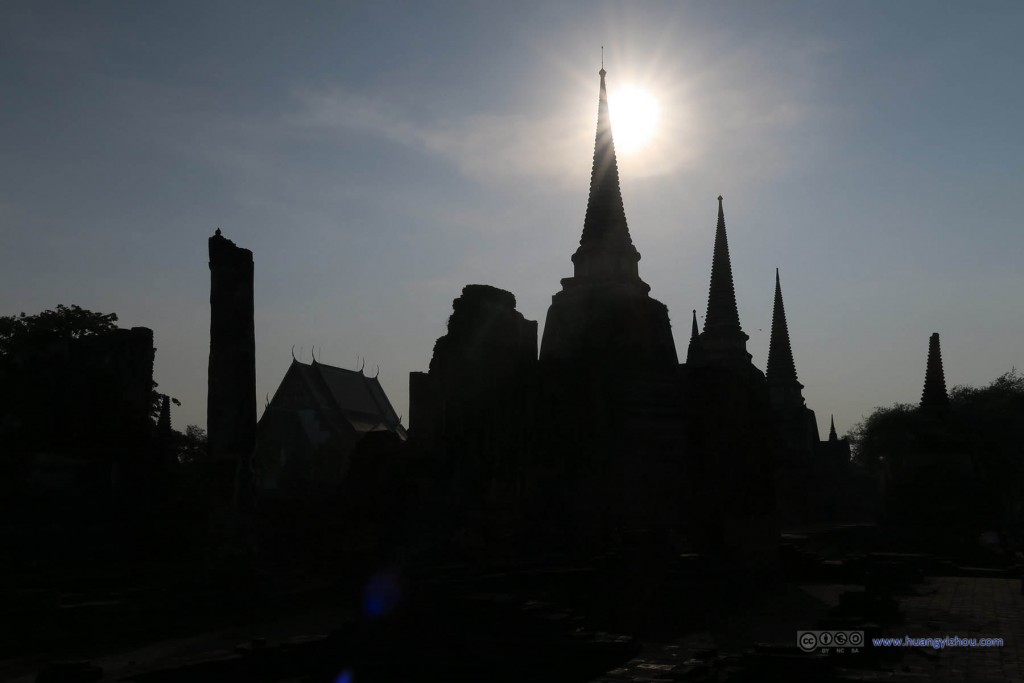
(376, 157)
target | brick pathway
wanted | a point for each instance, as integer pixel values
(725, 650)
(943, 606)
(966, 607)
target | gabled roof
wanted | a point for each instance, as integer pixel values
(348, 395)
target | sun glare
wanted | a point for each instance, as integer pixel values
(634, 115)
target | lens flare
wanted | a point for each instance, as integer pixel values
(381, 595)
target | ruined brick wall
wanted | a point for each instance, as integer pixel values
(470, 415)
(85, 396)
(487, 341)
(488, 344)
(124, 359)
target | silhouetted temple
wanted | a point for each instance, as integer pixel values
(604, 313)
(836, 449)
(598, 440)
(311, 426)
(605, 436)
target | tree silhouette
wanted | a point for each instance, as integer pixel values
(965, 463)
(24, 332)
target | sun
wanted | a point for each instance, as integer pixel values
(635, 115)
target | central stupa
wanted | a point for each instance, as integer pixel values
(604, 313)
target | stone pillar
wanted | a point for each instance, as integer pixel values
(231, 397)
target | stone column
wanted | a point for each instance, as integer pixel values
(231, 397)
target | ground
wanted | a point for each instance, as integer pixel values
(523, 623)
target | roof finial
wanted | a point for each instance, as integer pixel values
(217, 233)
(602, 58)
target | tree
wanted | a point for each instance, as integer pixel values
(24, 332)
(965, 462)
(883, 435)
(192, 445)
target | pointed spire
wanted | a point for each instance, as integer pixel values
(721, 296)
(694, 349)
(832, 436)
(780, 354)
(934, 394)
(722, 338)
(606, 248)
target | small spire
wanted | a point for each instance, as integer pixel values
(780, 354)
(217, 232)
(934, 394)
(723, 339)
(832, 436)
(694, 349)
(721, 295)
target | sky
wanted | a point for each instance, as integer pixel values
(376, 157)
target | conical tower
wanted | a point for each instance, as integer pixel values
(603, 313)
(783, 387)
(693, 351)
(832, 436)
(723, 338)
(934, 394)
(606, 250)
